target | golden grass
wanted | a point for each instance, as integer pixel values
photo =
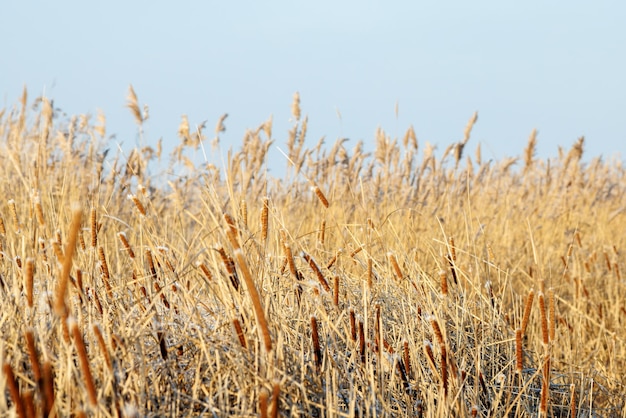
(335, 290)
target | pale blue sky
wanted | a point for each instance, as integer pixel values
(559, 67)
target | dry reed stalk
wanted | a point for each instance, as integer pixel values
(519, 354)
(336, 291)
(103, 347)
(394, 264)
(243, 212)
(552, 314)
(84, 362)
(527, 308)
(93, 221)
(544, 320)
(370, 272)
(317, 271)
(14, 390)
(618, 275)
(28, 278)
(321, 235)
(13, 210)
(263, 398)
(122, 236)
(545, 388)
(320, 195)
(265, 219)
(378, 340)
(352, 317)
(105, 272)
(430, 357)
(239, 331)
(140, 207)
(264, 332)
(317, 351)
(70, 247)
(607, 261)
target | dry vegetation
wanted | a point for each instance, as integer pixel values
(390, 283)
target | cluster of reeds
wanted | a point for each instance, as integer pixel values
(364, 282)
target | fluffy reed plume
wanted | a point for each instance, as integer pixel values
(264, 332)
(317, 271)
(295, 106)
(220, 127)
(14, 390)
(28, 279)
(394, 265)
(84, 362)
(529, 151)
(317, 351)
(458, 149)
(125, 244)
(265, 219)
(527, 308)
(70, 247)
(133, 104)
(320, 195)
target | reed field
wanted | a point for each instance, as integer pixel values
(364, 281)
